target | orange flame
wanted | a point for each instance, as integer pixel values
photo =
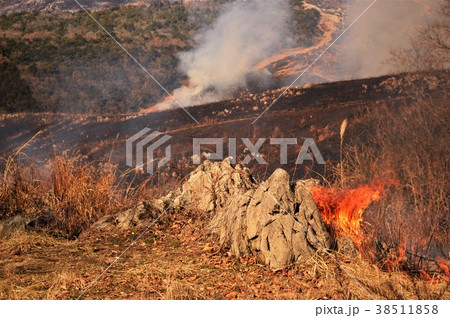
(343, 209)
(444, 265)
(443, 273)
(425, 276)
(394, 260)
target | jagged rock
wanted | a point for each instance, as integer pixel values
(126, 219)
(208, 188)
(346, 247)
(318, 236)
(166, 202)
(44, 220)
(18, 222)
(277, 221)
(212, 184)
(283, 222)
(12, 224)
(229, 224)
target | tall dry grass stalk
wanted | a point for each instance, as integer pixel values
(16, 194)
(342, 132)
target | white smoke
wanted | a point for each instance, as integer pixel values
(388, 24)
(244, 33)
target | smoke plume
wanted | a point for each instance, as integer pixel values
(388, 24)
(244, 33)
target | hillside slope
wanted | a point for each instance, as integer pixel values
(177, 258)
(305, 112)
(14, 6)
(71, 65)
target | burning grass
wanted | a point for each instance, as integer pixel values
(405, 227)
(342, 210)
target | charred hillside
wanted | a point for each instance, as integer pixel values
(312, 111)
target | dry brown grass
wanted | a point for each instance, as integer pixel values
(171, 266)
(18, 185)
(75, 192)
(82, 193)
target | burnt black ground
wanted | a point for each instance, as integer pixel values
(314, 111)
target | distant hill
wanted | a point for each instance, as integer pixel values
(68, 64)
(14, 6)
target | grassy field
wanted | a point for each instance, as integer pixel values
(70, 99)
(176, 260)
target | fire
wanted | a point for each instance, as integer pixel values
(444, 265)
(394, 259)
(343, 209)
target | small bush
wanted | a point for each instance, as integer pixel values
(74, 192)
(81, 193)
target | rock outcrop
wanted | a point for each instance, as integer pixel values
(211, 186)
(16, 223)
(276, 220)
(127, 219)
(12, 224)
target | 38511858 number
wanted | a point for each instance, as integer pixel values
(407, 309)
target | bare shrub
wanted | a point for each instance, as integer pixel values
(430, 49)
(74, 193)
(81, 193)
